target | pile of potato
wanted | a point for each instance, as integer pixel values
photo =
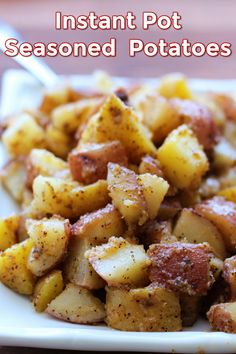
(128, 207)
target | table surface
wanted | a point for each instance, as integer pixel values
(213, 20)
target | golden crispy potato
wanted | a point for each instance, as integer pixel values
(70, 116)
(181, 267)
(194, 228)
(56, 97)
(46, 289)
(13, 268)
(222, 317)
(115, 121)
(222, 214)
(126, 194)
(44, 163)
(150, 165)
(77, 305)
(174, 85)
(158, 115)
(182, 159)
(8, 231)
(23, 129)
(146, 309)
(154, 190)
(99, 225)
(13, 178)
(58, 141)
(120, 263)
(199, 118)
(89, 163)
(50, 239)
(56, 196)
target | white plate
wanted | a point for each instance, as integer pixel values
(20, 325)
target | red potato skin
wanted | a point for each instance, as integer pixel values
(220, 319)
(229, 275)
(200, 120)
(222, 214)
(181, 267)
(90, 164)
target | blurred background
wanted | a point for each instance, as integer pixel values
(205, 21)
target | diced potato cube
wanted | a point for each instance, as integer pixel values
(68, 118)
(175, 85)
(23, 135)
(181, 267)
(13, 178)
(199, 118)
(229, 274)
(44, 163)
(13, 270)
(150, 165)
(127, 194)
(159, 116)
(89, 163)
(99, 225)
(182, 158)
(223, 215)
(8, 231)
(58, 141)
(222, 317)
(77, 268)
(115, 121)
(50, 239)
(194, 228)
(154, 190)
(68, 199)
(77, 305)
(120, 263)
(56, 97)
(224, 155)
(145, 309)
(46, 289)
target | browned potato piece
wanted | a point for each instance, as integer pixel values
(13, 177)
(89, 163)
(199, 118)
(222, 317)
(150, 165)
(222, 214)
(194, 228)
(156, 232)
(99, 225)
(46, 289)
(119, 262)
(44, 163)
(77, 268)
(115, 121)
(56, 97)
(181, 267)
(182, 158)
(50, 239)
(8, 231)
(77, 305)
(126, 194)
(67, 198)
(229, 274)
(190, 307)
(58, 141)
(158, 115)
(90, 230)
(227, 104)
(145, 309)
(169, 208)
(13, 270)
